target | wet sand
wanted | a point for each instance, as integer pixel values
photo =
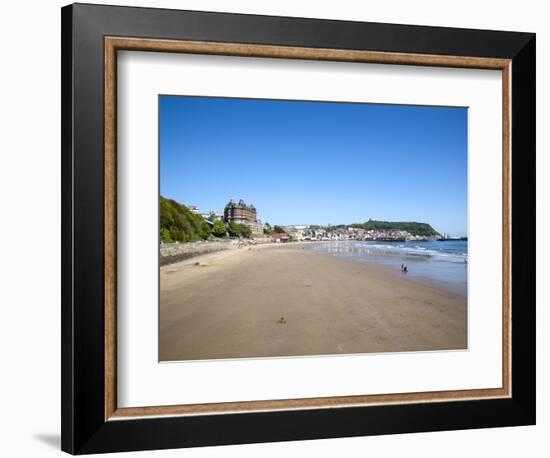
(290, 301)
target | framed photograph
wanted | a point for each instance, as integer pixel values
(281, 228)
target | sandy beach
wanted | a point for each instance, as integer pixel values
(287, 300)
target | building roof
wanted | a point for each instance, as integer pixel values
(279, 236)
(241, 204)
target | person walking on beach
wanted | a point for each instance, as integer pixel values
(404, 268)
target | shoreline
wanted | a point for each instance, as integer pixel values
(411, 276)
(281, 299)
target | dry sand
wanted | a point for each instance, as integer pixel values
(288, 301)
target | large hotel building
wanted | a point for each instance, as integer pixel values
(241, 213)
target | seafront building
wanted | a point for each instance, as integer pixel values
(241, 213)
(296, 232)
(358, 234)
(280, 237)
(212, 215)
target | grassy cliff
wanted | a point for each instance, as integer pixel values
(179, 224)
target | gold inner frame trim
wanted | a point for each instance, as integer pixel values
(114, 44)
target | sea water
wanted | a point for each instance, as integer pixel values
(441, 262)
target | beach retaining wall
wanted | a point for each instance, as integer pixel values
(175, 252)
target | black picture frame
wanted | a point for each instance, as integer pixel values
(84, 428)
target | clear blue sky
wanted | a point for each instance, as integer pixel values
(317, 162)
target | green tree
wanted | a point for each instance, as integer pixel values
(234, 229)
(239, 230)
(219, 229)
(165, 236)
(278, 230)
(245, 231)
(205, 232)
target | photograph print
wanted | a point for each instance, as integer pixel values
(306, 228)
